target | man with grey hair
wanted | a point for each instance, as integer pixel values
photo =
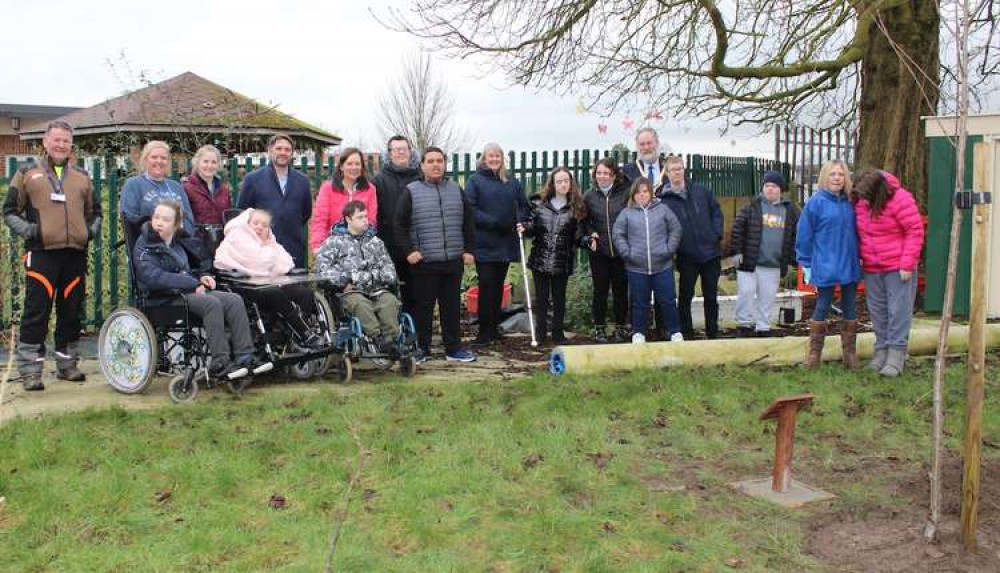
(649, 163)
(51, 205)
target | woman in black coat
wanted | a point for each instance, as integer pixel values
(499, 204)
(605, 200)
(557, 227)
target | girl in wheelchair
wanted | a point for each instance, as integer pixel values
(249, 247)
(357, 264)
(163, 256)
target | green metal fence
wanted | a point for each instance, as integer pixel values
(107, 283)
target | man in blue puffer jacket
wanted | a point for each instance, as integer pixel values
(700, 253)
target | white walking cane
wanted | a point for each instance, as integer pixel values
(527, 291)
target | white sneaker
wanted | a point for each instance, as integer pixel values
(676, 337)
(638, 338)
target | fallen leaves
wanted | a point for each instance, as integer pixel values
(601, 459)
(532, 460)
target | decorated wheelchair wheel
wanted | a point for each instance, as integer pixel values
(127, 350)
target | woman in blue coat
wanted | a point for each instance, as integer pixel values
(499, 204)
(826, 248)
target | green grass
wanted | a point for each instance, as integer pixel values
(622, 473)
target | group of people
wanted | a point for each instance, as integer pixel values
(411, 231)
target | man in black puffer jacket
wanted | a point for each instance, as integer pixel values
(700, 253)
(402, 168)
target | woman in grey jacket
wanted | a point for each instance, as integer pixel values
(647, 234)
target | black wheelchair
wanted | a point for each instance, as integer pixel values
(160, 335)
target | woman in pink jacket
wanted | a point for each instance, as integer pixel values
(348, 184)
(249, 247)
(890, 238)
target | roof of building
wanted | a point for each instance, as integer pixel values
(186, 102)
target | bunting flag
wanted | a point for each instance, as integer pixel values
(602, 128)
(580, 108)
(655, 114)
(628, 123)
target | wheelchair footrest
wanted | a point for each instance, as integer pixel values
(265, 367)
(238, 373)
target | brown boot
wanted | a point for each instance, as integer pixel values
(817, 336)
(848, 344)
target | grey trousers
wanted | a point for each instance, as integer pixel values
(755, 296)
(890, 307)
(379, 314)
(218, 310)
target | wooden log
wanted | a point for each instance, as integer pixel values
(601, 358)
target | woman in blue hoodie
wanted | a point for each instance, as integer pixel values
(646, 235)
(141, 193)
(499, 204)
(826, 247)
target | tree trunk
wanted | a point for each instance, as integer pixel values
(892, 136)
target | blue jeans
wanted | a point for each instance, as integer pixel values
(825, 298)
(640, 287)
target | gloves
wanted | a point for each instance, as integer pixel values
(806, 275)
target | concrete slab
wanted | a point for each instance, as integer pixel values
(796, 496)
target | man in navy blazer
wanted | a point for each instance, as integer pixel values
(284, 192)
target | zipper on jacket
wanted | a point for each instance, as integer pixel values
(649, 254)
(607, 221)
(444, 231)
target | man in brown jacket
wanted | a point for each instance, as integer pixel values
(51, 205)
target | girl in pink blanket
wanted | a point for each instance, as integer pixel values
(249, 247)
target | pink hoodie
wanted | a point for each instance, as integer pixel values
(892, 240)
(242, 250)
(330, 202)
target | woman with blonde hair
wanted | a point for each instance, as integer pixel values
(207, 192)
(826, 247)
(556, 224)
(141, 193)
(499, 204)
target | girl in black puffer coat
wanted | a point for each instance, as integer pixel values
(557, 227)
(604, 202)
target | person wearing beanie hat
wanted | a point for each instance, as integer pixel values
(775, 177)
(762, 244)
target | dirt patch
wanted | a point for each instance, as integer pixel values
(894, 542)
(61, 396)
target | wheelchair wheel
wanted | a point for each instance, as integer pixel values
(329, 325)
(184, 388)
(345, 371)
(306, 370)
(127, 350)
(407, 366)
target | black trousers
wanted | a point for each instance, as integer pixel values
(405, 289)
(491, 279)
(608, 272)
(445, 290)
(709, 272)
(58, 276)
(547, 286)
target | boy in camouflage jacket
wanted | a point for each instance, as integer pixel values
(357, 263)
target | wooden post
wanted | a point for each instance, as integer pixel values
(977, 346)
(785, 410)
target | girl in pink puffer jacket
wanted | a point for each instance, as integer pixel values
(890, 238)
(249, 247)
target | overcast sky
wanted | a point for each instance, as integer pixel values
(325, 63)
